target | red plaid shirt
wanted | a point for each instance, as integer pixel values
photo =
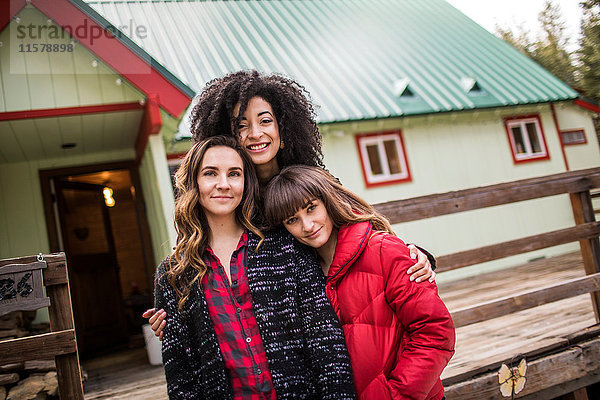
(230, 309)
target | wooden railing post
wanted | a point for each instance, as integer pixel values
(583, 212)
(61, 318)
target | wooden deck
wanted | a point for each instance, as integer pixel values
(499, 339)
(128, 375)
(124, 375)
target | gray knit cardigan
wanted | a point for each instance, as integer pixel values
(302, 337)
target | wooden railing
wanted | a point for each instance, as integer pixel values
(60, 343)
(577, 184)
(595, 194)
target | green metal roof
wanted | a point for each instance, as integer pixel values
(360, 59)
(142, 53)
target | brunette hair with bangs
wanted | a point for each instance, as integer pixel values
(297, 185)
(213, 113)
(186, 267)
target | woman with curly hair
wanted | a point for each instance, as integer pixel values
(234, 104)
(399, 334)
(248, 318)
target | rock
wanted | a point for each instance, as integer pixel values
(7, 379)
(27, 389)
(42, 327)
(2, 393)
(12, 320)
(51, 383)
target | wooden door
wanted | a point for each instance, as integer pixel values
(93, 270)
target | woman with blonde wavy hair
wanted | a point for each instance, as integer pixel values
(248, 316)
(399, 334)
(191, 223)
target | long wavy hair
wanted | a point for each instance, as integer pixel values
(296, 185)
(186, 266)
(213, 113)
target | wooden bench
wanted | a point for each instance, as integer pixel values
(21, 281)
(559, 364)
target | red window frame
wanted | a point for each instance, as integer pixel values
(521, 119)
(365, 162)
(573, 143)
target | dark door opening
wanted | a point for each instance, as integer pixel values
(93, 268)
(100, 225)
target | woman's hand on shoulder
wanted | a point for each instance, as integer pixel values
(422, 270)
(156, 320)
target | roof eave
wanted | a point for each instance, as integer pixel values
(437, 112)
(125, 40)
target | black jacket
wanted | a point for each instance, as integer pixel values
(302, 337)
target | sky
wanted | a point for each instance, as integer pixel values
(512, 13)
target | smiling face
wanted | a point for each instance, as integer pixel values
(311, 224)
(220, 181)
(259, 133)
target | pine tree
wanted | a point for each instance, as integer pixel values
(589, 53)
(550, 51)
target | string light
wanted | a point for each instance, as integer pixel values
(108, 197)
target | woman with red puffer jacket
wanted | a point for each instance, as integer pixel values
(399, 334)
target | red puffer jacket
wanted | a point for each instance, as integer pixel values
(399, 334)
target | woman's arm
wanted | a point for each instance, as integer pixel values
(424, 267)
(182, 379)
(157, 321)
(323, 336)
(430, 343)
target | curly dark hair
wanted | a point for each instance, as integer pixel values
(213, 113)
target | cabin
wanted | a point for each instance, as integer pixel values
(83, 167)
(413, 98)
(419, 100)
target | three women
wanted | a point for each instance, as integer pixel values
(274, 124)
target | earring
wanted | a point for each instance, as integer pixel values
(281, 145)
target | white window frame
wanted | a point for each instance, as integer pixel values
(364, 140)
(529, 154)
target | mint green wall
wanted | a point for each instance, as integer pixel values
(580, 156)
(154, 174)
(50, 80)
(22, 221)
(463, 150)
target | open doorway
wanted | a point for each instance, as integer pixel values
(95, 215)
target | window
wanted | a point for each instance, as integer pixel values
(526, 138)
(574, 136)
(383, 158)
(174, 161)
